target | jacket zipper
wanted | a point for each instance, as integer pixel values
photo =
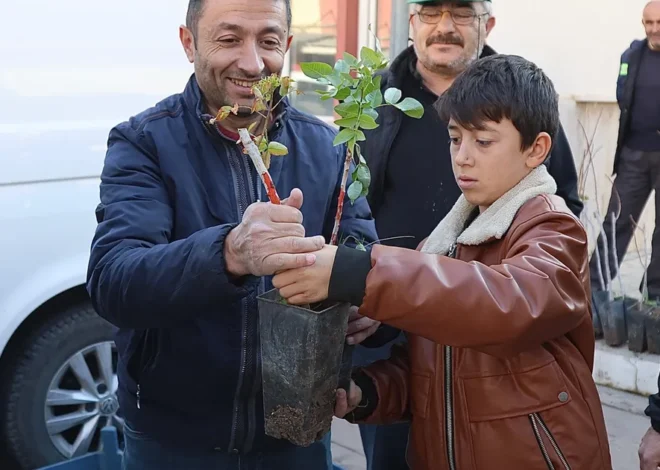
(535, 417)
(449, 395)
(242, 191)
(539, 440)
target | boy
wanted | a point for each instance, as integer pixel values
(497, 370)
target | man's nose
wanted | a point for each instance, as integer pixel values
(251, 62)
(446, 23)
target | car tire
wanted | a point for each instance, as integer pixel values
(58, 379)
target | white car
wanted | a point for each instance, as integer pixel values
(68, 75)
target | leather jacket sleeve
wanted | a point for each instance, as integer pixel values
(535, 294)
(390, 379)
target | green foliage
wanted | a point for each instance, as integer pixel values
(355, 84)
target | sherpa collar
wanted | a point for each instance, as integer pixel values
(494, 221)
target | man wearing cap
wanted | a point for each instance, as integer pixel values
(413, 185)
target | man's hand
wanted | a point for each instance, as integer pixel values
(649, 451)
(359, 327)
(270, 239)
(345, 404)
(310, 284)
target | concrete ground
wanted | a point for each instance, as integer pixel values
(624, 415)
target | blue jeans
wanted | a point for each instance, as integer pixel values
(143, 453)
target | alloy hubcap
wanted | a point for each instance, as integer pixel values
(82, 399)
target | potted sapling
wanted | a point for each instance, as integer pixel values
(639, 314)
(304, 357)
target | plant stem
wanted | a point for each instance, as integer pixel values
(255, 156)
(342, 194)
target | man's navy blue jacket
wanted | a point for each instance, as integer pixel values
(171, 189)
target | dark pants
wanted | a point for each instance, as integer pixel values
(637, 176)
(384, 445)
(143, 453)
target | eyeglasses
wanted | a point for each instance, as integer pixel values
(459, 17)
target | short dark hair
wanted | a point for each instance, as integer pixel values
(196, 8)
(503, 87)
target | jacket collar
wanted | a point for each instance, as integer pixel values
(494, 222)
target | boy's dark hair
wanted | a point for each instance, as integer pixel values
(196, 8)
(503, 87)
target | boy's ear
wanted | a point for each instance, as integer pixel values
(539, 150)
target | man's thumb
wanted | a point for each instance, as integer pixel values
(295, 199)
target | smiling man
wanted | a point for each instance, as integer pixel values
(183, 248)
(413, 186)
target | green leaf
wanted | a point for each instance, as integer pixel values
(347, 109)
(342, 66)
(359, 136)
(369, 57)
(363, 175)
(411, 107)
(355, 191)
(360, 247)
(392, 95)
(275, 148)
(350, 59)
(370, 112)
(367, 122)
(375, 98)
(342, 93)
(347, 122)
(316, 69)
(335, 78)
(344, 136)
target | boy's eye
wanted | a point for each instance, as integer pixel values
(454, 141)
(484, 143)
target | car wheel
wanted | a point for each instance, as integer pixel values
(62, 390)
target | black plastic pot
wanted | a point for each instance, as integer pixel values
(636, 319)
(301, 351)
(599, 299)
(614, 323)
(653, 331)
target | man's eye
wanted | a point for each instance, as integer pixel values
(271, 43)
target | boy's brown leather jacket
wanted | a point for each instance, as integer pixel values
(497, 371)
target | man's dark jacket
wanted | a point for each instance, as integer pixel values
(172, 188)
(625, 91)
(377, 148)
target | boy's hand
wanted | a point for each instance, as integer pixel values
(345, 404)
(308, 285)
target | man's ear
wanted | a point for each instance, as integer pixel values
(490, 24)
(288, 43)
(188, 42)
(539, 150)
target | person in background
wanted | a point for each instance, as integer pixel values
(413, 186)
(497, 372)
(183, 247)
(637, 158)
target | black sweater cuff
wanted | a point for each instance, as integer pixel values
(369, 397)
(348, 280)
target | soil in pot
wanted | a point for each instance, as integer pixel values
(636, 320)
(598, 310)
(653, 331)
(614, 326)
(301, 351)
